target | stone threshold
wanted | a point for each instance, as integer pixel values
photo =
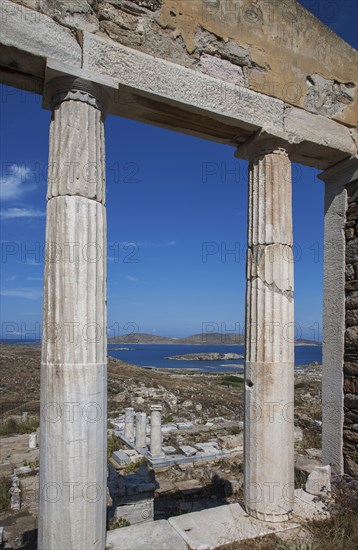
(210, 529)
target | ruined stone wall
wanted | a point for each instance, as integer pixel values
(276, 48)
(350, 433)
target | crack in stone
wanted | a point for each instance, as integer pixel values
(274, 288)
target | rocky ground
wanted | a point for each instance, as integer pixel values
(213, 402)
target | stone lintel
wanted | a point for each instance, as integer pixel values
(30, 32)
(343, 172)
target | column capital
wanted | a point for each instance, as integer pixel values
(156, 407)
(73, 88)
(263, 143)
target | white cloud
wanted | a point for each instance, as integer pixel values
(133, 279)
(11, 213)
(13, 184)
(29, 293)
(32, 261)
(156, 245)
(12, 278)
(35, 278)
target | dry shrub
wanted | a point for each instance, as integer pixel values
(340, 531)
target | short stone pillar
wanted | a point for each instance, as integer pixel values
(25, 417)
(33, 441)
(129, 424)
(73, 444)
(156, 432)
(15, 494)
(140, 430)
(269, 347)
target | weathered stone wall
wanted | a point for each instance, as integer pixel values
(277, 48)
(350, 443)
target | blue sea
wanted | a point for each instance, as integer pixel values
(155, 356)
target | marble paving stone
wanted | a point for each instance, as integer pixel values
(223, 525)
(158, 535)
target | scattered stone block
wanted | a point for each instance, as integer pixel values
(121, 458)
(206, 446)
(139, 511)
(189, 487)
(232, 486)
(314, 453)
(130, 452)
(169, 427)
(188, 450)
(15, 481)
(306, 507)
(165, 486)
(304, 466)
(33, 441)
(231, 441)
(118, 425)
(319, 481)
(15, 500)
(209, 450)
(298, 433)
(23, 470)
(185, 425)
(168, 450)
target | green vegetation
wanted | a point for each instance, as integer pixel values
(112, 444)
(232, 381)
(121, 522)
(304, 386)
(5, 485)
(297, 546)
(133, 467)
(167, 418)
(32, 463)
(311, 439)
(12, 426)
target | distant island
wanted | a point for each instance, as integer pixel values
(202, 339)
(206, 357)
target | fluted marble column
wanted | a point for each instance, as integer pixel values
(269, 364)
(72, 508)
(129, 424)
(156, 431)
(140, 430)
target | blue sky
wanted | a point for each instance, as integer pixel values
(177, 200)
